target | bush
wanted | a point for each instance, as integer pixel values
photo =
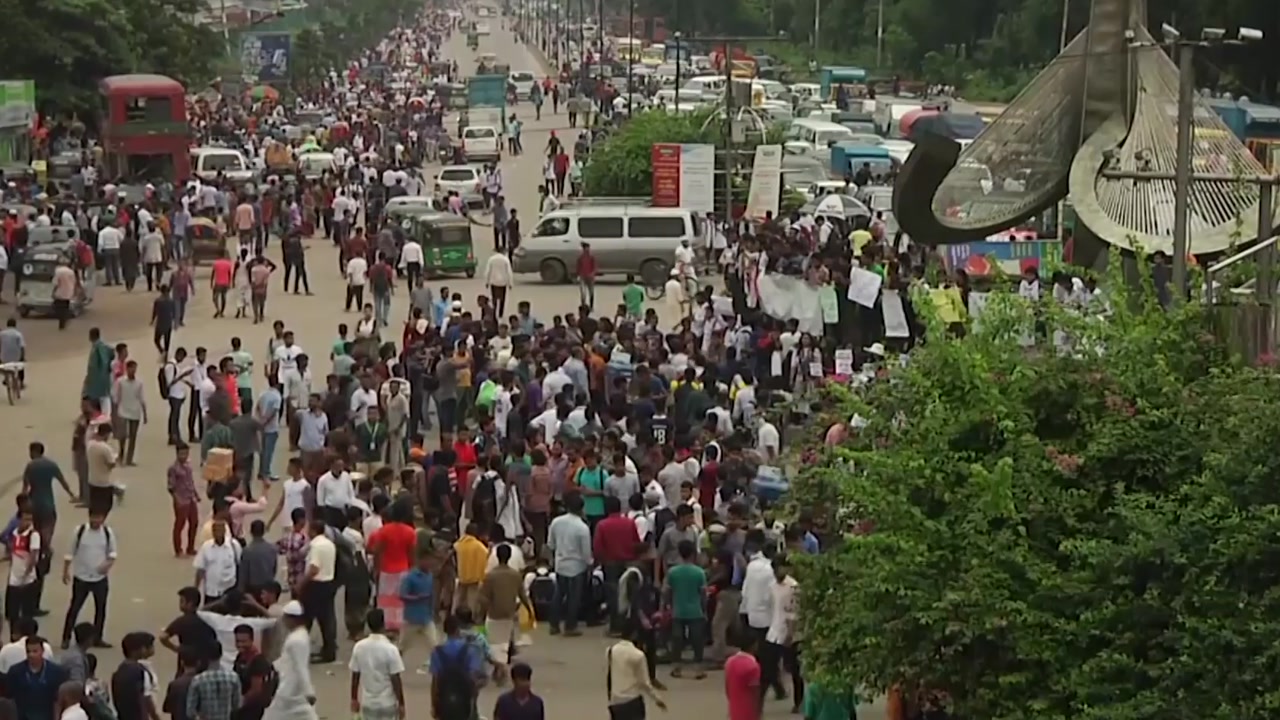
(1085, 535)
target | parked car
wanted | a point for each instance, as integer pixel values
(466, 180)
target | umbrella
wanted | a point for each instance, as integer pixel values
(836, 205)
(263, 92)
(417, 103)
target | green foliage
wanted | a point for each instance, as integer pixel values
(621, 165)
(1086, 535)
(69, 44)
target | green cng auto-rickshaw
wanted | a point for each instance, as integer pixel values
(446, 242)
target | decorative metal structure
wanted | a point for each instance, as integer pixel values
(1107, 104)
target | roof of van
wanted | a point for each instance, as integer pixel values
(216, 149)
(817, 124)
(619, 209)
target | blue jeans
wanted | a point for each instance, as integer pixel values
(382, 308)
(569, 589)
(269, 440)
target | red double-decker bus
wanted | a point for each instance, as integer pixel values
(145, 136)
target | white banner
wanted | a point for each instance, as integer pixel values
(766, 182)
(698, 177)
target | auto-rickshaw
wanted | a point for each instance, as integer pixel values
(445, 239)
(207, 241)
(38, 264)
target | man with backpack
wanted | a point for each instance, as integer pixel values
(93, 553)
(457, 667)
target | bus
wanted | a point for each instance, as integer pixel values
(145, 136)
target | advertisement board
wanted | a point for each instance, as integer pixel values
(17, 103)
(684, 175)
(766, 182)
(264, 57)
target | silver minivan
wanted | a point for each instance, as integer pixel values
(626, 239)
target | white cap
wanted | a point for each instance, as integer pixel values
(293, 608)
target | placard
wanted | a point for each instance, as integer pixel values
(766, 182)
(864, 287)
(895, 316)
(830, 304)
(844, 361)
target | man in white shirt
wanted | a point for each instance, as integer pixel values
(781, 637)
(24, 553)
(296, 694)
(16, 652)
(109, 240)
(554, 383)
(357, 274)
(85, 568)
(411, 261)
(757, 586)
(217, 563)
(318, 588)
(499, 276)
(363, 398)
(286, 355)
(334, 493)
(768, 441)
(376, 666)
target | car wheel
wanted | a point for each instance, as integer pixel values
(553, 272)
(654, 273)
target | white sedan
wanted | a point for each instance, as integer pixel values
(466, 180)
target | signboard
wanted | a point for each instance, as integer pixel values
(264, 56)
(17, 103)
(980, 258)
(766, 182)
(684, 175)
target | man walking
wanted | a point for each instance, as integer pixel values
(86, 567)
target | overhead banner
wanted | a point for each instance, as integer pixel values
(684, 175)
(264, 56)
(766, 182)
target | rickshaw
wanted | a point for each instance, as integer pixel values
(473, 40)
(207, 241)
(445, 239)
(37, 268)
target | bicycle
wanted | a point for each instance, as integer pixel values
(12, 374)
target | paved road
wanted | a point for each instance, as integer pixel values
(567, 672)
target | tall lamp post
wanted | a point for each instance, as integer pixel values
(631, 28)
(676, 36)
(1209, 37)
(582, 45)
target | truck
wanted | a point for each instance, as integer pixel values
(487, 91)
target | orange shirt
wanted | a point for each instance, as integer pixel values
(233, 390)
(222, 272)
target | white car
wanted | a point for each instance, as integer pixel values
(465, 180)
(523, 81)
(482, 28)
(482, 142)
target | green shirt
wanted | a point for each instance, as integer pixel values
(593, 478)
(688, 583)
(342, 365)
(39, 475)
(633, 298)
(822, 705)
(244, 369)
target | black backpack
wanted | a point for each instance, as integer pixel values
(163, 379)
(457, 686)
(347, 562)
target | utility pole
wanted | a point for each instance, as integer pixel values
(582, 46)
(631, 26)
(676, 37)
(817, 26)
(880, 34)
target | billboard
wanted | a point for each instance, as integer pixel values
(684, 175)
(766, 182)
(264, 57)
(17, 103)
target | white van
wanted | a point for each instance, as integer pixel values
(625, 239)
(710, 86)
(207, 162)
(523, 81)
(482, 142)
(807, 135)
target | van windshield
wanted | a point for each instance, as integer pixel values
(473, 133)
(221, 162)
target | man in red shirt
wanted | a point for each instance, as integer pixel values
(742, 680)
(614, 547)
(586, 272)
(222, 271)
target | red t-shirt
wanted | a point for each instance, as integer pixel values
(742, 686)
(222, 271)
(394, 543)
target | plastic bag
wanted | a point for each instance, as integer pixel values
(528, 623)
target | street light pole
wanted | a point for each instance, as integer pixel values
(676, 36)
(1186, 49)
(817, 29)
(880, 34)
(631, 23)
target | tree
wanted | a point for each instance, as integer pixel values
(69, 44)
(1056, 535)
(621, 165)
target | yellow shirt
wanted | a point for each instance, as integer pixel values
(859, 238)
(950, 307)
(473, 557)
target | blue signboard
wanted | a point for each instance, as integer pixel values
(264, 57)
